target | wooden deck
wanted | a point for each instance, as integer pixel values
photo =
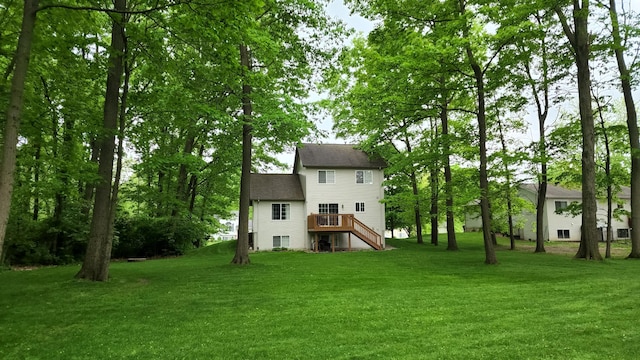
(343, 223)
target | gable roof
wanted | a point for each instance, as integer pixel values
(554, 191)
(276, 187)
(558, 192)
(336, 156)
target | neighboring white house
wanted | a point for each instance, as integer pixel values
(562, 226)
(332, 200)
(228, 227)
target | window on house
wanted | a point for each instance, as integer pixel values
(281, 241)
(328, 209)
(563, 234)
(364, 177)
(326, 177)
(560, 205)
(280, 211)
(623, 233)
(360, 207)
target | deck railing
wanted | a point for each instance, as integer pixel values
(344, 223)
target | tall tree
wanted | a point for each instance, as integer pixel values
(579, 40)
(95, 266)
(242, 246)
(626, 78)
(479, 77)
(14, 113)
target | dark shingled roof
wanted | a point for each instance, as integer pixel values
(558, 192)
(336, 156)
(554, 192)
(276, 187)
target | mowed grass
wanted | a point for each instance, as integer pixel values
(414, 302)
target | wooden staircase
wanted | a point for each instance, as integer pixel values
(344, 223)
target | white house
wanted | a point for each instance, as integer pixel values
(331, 201)
(564, 227)
(561, 226)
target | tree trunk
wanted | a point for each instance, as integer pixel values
(434, 205)
(242, 248)
(542, 108)
(416, 196)
(95, 266)
(14, 114)
(589, 244)
(452, 244)
(416, 207)
(485, 206)
(607, 171)
(632, 125)
(90, 187)
(193, 186)
(181, 192)
(579, 40)
(542, 196)
(507, 172)
(121, 132)
(36, 180)
(542, 185)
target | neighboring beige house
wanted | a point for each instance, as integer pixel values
(561, 227)
(331, 201)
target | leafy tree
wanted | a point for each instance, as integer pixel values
(620, 47)
(579, 41)
(95, 266)
(14, 112)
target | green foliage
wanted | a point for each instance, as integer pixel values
(197, 306)
(156, 237)
(45, 242)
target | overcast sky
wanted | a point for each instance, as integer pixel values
(338, 10)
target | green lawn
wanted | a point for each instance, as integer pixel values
(415, 302)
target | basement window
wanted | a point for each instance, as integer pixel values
(281, 241)
(563, 234)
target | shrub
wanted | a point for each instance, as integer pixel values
(45, 242)
(152, 237)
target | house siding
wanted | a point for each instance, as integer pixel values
(264, 228)
(345, 192)
(554, 222)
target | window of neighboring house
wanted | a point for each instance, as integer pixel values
(360, 207)
(364, 177)
(326, 177)
(563, 234)
(280, 211)
(560, 205)
(281, 241)
(623, 233)
(620, 206)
